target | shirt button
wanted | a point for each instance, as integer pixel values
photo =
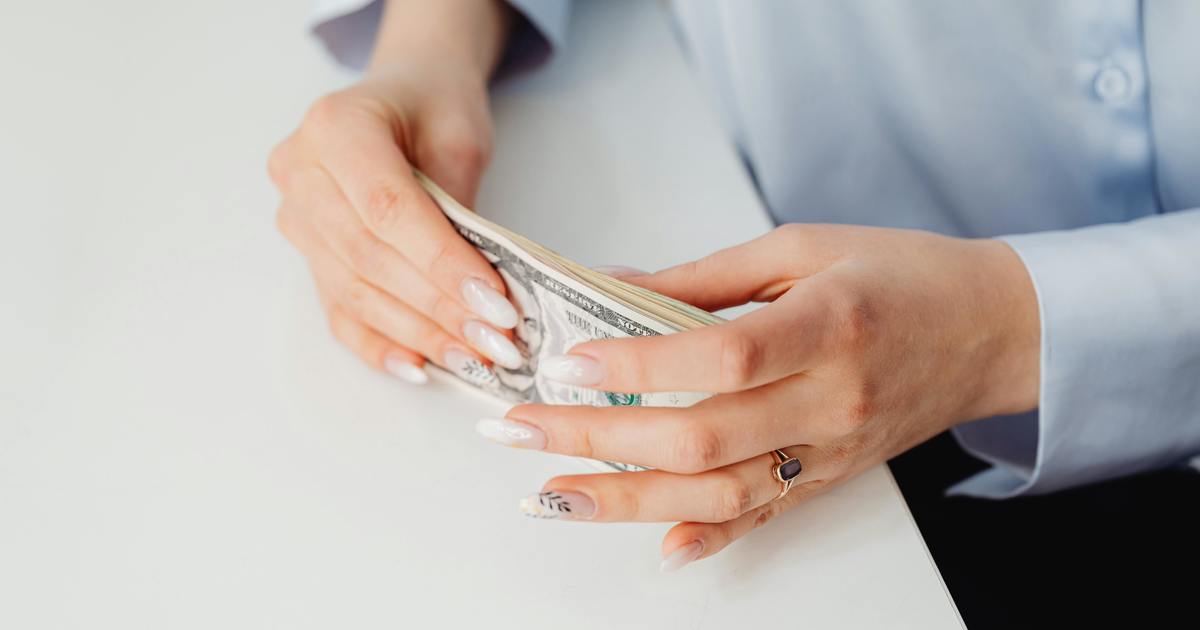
(1112, 84)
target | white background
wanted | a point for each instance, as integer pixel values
(182, 444)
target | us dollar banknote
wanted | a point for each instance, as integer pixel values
(557, 310)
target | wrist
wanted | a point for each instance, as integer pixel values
(1011, 323)
(464, 37)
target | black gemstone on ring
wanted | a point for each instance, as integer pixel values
(790, 469)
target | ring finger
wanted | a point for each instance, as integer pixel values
(713, 496)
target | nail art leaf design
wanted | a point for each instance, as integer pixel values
(476, 372)
(554, 502)
(548, 505)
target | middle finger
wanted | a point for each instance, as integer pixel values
(716, 432)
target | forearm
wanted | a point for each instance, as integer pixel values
(466, 35)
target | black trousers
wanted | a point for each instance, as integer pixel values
(1124, 553)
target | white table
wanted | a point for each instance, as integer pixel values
(182, 444)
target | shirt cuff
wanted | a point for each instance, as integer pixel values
(347, 28)
(1120, 360)
(540, 31)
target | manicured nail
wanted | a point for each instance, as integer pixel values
(497, 347)
(468, 367)
(572, 369)
(405, 371)
(682, 556)
(487, 303)
(617, 271)
(511, 433)
(571, 506)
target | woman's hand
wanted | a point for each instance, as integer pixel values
(398, 284)
(874, 341)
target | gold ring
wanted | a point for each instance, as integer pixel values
(785, 470)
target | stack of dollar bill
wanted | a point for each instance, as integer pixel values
(562, 303)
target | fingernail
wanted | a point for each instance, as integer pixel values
(510, 433)
(572, 369)
(487, 303)
(571, 506)
(405, 371)
(497, 347)
(682, 556)
(618, 271)
(467, 367)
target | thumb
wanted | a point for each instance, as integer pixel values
(454, 152)
(755, 271)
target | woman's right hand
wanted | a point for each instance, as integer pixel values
(398, 283)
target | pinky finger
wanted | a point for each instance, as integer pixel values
(377, 350)
(688, 542)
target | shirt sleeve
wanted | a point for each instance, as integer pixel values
(347, 29)
(1120, 360)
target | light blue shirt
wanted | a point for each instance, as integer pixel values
(1071, 129)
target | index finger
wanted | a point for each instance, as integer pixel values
(765, 345)
(377, 179)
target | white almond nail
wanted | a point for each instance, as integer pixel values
(511, 433)
(495, 346)
(488, 303)
(405, 371)
(551, 504)
(572, 369)
(681, 556)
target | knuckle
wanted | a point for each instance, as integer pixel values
(277, 164)
(468, 153)
(628, 363)
(337, 331)
(696, 448)
(443, 310)
(690, 271)
(841, 455)
(622, 504)
(356, 297)
(573, 439)
(382, 207)
(740, 356)
(790, 232)
(766, 513)
(732, 500)
(859, 406)
(326, 110)
(284, 222)
(855, 320)
(336, 322)
(440, 257)
(584, 444)
(364, 255)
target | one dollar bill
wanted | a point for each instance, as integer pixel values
(561, 304)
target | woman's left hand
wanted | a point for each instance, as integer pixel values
(874, 341)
